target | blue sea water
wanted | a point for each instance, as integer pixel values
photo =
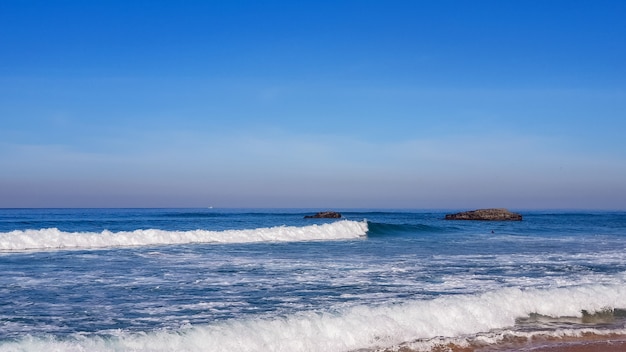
(270, 280)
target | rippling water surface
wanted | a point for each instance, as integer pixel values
(270, 280)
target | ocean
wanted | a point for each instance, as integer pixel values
(270, 280)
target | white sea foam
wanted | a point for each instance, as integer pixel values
(53, 238)
(468, 317)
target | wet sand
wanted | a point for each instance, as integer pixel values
(586, 343)
(597, 346)
(591, 343)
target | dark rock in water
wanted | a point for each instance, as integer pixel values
(486, 214)
(324, 215)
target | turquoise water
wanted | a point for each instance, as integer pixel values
(270, 280)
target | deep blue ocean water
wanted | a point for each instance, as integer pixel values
(270, 280)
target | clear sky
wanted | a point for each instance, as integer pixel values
(333, 104)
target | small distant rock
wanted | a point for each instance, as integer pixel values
(324, 215)
(486, 214)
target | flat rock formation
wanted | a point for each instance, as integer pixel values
(324, 215)
(486, 214)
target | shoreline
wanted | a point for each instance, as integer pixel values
(585, 343)
(588, 342)
(604, 346)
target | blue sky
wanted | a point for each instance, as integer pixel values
(330, 104)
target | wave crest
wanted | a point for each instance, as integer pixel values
(53, 238)
(418, 324)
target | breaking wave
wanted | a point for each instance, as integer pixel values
(53, 238)
(415, 323)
